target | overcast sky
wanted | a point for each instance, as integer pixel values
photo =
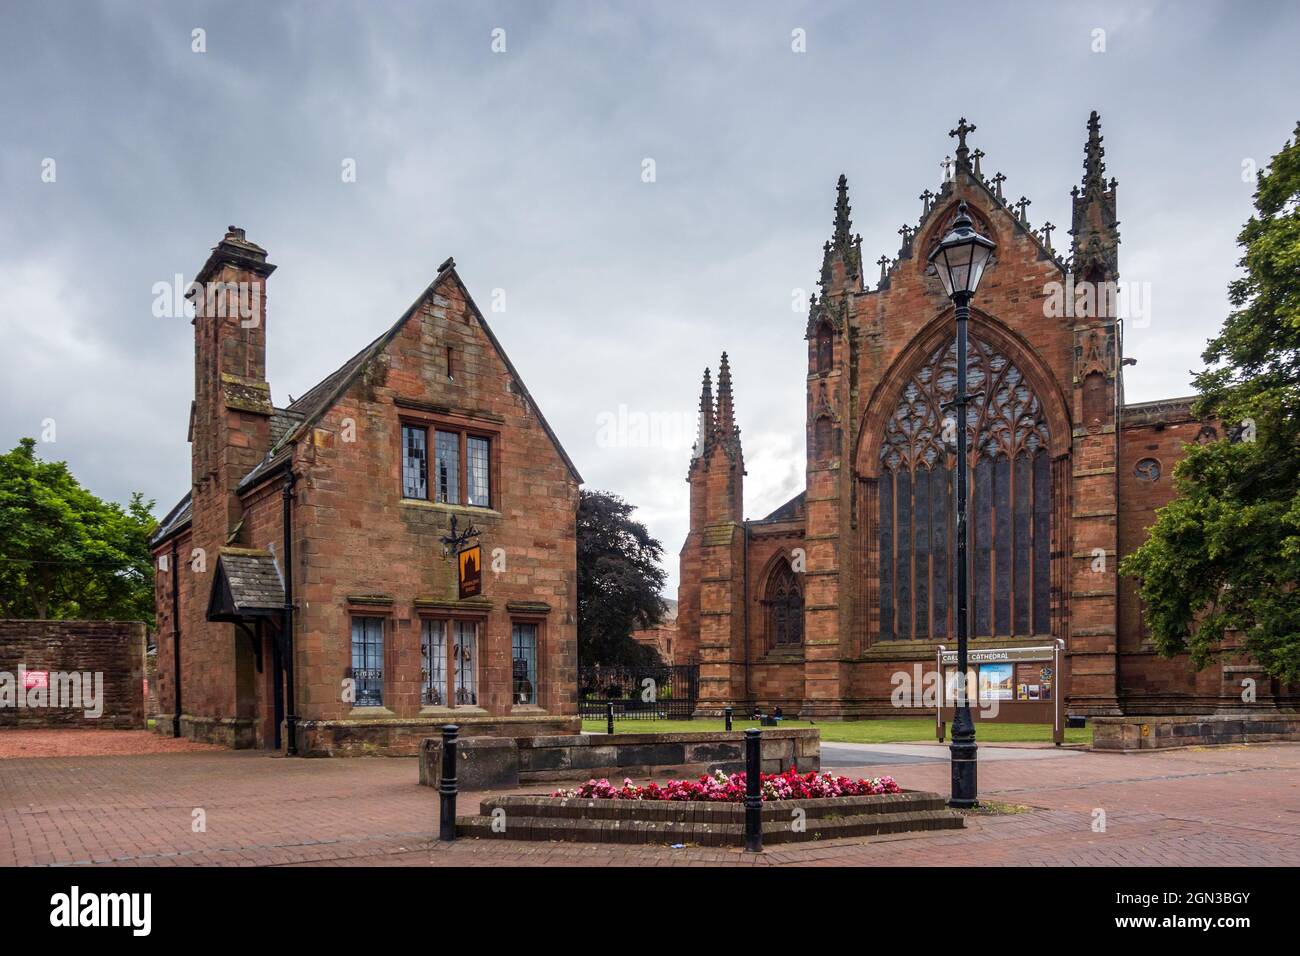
(527, 166)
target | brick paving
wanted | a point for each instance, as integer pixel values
(1235, 806)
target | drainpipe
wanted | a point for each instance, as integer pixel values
(291, 717)
(176, 641)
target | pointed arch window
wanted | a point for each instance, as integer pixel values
(1010, 503)
(783, 605)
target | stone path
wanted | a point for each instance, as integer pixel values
(1237, 806)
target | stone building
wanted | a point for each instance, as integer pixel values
(353, 625)
(817, 606)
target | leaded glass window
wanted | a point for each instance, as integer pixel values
(368, 660)
(433, 674)
(1010, 499)
(783, 600)
(478, 478)
(465, 662)
(415, 463)
(447, 467)
(523, 645)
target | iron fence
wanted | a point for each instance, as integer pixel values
(667, 692)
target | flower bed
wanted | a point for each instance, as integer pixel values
(721, 788)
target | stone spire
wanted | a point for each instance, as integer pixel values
(1094, 227)
(725, 421)
(705, 432)
(844, 248)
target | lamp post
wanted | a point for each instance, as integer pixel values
(960, 259)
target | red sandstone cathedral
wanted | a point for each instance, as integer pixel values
(815, 607)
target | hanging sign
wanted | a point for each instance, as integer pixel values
(469, 561)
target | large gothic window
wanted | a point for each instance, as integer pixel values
(1009, 508)
(783, 602)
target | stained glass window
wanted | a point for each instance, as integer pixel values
(1009, 502)
(784, 602)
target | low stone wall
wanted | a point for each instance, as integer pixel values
(488, 764)
(1160, 732)
(402, 737)
(107, 657)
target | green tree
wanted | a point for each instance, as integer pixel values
(64, 553)
(619, 580)
(1225, 554)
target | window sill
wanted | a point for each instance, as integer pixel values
(467, 710)
(371, 712)
(474, 510)
(529, 709)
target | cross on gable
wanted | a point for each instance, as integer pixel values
(998, 180)
(947, 169)
(1021, 203)
(960, 132)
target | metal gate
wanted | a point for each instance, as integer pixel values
(667, 692)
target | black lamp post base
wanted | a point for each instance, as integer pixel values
(965, 785)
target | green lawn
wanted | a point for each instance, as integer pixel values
(885, 731)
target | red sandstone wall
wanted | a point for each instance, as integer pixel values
(113, 649)
(357, 536)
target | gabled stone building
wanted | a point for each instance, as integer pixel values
(816, 607)
(310, 576)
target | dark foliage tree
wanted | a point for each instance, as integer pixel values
(619, 580)
(1224, 556)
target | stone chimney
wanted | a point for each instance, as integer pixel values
(231, 426)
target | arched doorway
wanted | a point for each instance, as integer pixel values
(1010, 501)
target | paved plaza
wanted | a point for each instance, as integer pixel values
(1234, 806)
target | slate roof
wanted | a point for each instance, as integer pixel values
(247, 584)
(788, 511)
(174, 521)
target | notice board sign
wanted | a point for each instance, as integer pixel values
(1011, 675)
(469, 562)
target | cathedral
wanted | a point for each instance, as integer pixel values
(817, 607)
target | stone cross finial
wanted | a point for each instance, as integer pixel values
(925, 198)
(1047, 237)
(963, 152)
(883, 262)
(977, 156)
(906, 233)
(1021, 204)
(998, 180)
(947, 169)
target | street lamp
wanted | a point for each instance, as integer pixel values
(960, 260)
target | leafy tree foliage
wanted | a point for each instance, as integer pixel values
(64, 553)
(619, 580)
(1225, 554)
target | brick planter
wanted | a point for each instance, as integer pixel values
(704, 823)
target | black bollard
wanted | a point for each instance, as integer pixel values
(447, 786)
(753, 792)
(726, 713)
(609, 719)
